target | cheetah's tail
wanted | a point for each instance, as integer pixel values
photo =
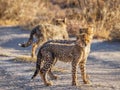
(30, 40)
(38, 65)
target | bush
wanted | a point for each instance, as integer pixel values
(103, 14)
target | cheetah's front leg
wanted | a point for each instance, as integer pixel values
(74, 73)
(85, 77)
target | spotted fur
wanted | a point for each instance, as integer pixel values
(44, 32)
(75, 52)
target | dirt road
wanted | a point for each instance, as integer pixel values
(103, 66)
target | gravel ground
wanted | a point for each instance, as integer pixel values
(103, 65)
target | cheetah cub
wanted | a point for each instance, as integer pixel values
(63, 50)
(45, 32)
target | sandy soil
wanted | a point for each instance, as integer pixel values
(103, 66)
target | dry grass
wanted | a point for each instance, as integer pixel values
(25, 59)
(103, 14)
(4, 55)
(102, 34)
(20, 58)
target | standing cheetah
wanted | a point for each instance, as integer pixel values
(76, 53)
(45, 32)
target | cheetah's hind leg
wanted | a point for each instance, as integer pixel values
(52, 76)
(49, 60)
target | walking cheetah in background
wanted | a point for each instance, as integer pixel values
(76, 53)
(45, 32)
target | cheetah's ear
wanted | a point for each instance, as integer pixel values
(65, 20)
